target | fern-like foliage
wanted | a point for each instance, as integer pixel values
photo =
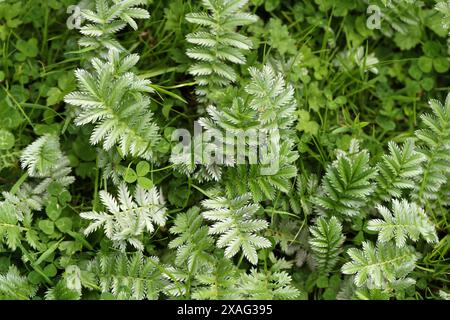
(301, 198)
(110, 163)
(291, 236)
(265, 186)
(10, 231)
(347, 183)
(46, 163)
(349, 291)
(235, 117)
(274, 284)
(15, 286)
(128, 278)
(218, 44)
(44, 159)
(381, 267)
(399, 170)
(326, 243)
(217, 283)
(374, 294)
(16, 217)
(436, 139)
(271, 106)
(271, 98)
(256, 137)
(273, 101)
(407, 220)
(127, 219)
(23, 203)
(193, 243)
(109, 19)
(61, 292)
(41, 156)
(261, 185)
(236, 224)
(261, 286)
(114, 100)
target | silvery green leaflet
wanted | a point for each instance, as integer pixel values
(224, 149)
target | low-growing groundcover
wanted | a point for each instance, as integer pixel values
(224, 149)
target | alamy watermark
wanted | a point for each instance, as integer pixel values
(377, 15)
(76, 18)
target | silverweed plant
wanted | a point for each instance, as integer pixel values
(224, 149)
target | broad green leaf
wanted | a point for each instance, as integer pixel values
(64, 224)
(7, 140)
(47, 226)
(142, 168)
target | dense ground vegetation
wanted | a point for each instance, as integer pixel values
(347, 199)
